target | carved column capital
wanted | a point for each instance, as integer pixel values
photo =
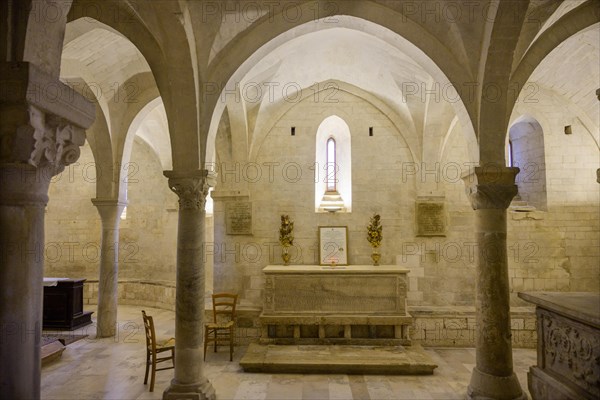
(44, 141)
(48, 141)
(191, 187)
(43, 120)
(34, 146)
(491, 186)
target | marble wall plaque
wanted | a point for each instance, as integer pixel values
(431, 218)
(238, 218)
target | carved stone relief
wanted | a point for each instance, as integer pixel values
(571, 350)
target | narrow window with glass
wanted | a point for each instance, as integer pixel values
(331, 166)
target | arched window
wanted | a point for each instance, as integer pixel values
(331, 177)
(526, 151)
(333, 174)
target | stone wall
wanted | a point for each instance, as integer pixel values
(563, 251)
(72, 223)
(148, 228)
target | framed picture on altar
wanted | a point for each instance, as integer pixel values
(333, 245)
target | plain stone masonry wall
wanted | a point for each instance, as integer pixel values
(558, 251)
(147, 247)
(136, 292)
(73, 228)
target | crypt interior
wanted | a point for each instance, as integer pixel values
(154, 147)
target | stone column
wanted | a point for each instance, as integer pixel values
(39, 136)
(189, 381)
(490, 190)
(106, 318)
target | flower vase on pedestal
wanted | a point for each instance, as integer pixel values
(375, 256)
(286, 256)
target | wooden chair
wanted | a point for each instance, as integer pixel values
(222, 329)
(154, 348)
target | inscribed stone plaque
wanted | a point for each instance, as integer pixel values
(238, 218)
(431, 218)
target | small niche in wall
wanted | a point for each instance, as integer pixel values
(568, 130)
(370, 131)
(293, 131)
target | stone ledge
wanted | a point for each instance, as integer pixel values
(337, 359)
(335, 319)
(461, 310)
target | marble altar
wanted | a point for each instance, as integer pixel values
(354, 304)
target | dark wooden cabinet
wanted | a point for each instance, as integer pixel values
(63, 305)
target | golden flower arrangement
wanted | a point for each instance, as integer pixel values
(374, 235)
(286, 239)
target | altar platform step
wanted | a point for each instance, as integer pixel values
(54, 344)
(52, 350)
(337, 359)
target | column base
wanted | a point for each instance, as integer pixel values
(202, 390)
(487, 387)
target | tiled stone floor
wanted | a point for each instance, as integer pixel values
(114, 369)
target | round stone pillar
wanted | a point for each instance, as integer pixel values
(22, 201)
(189, 381)
(490, 190)
(39, 136)
(106, 317)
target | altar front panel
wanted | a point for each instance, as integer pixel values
(356, 294)
(354, 304)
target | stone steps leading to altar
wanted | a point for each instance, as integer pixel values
(337, 359)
